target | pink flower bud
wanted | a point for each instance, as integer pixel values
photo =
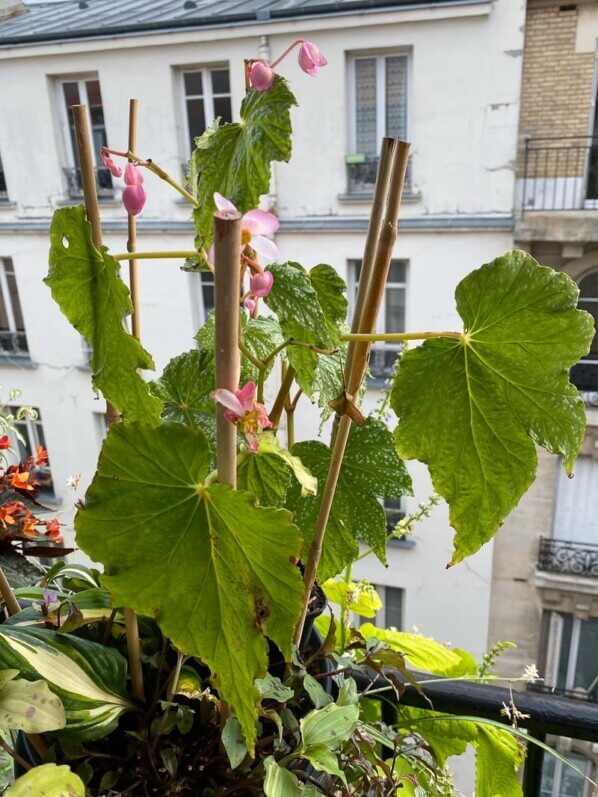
(261, 284)
(134, 199)
(250, 304)
(133, 174)
(310, 58)
(115, 170)
(261, 76)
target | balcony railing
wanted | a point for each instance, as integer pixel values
(559, 173)
(572, 694)
(361, 175)
(568, 557)
(13, 344)
(103, 182)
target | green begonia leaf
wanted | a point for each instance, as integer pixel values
(234, 744)
(234, 159)
(370, 470)
(329, 726)
(360, 597)
(49, 780)
(279, 782)
(474, 408)
(85, 284)
(185, 389)
(30, 706)
(423, 653)
(311, 307)
(215, 570)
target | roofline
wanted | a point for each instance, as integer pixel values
(344, 8)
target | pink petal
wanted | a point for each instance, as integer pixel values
(133, 174)
(261, 284)
(261, 76)
(115, 170)
(246, 397)
(310, 55)
(262, 417)
(228, 399)
(252, 440)
(260, 222)
(222, 203)
(250, 304)
(265, 247)
(134, 199)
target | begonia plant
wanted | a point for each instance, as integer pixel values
(214, 647)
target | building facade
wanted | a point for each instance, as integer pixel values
(545, 572)
(446, 75)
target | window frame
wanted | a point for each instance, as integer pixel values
(80, 78)
(31, 433)
(4, 197)
(208, 96)
(10, 310)
(554, 650)
(380, 56)
(380, 620)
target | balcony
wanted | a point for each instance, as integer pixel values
(13, 344)
(103, 182)
(568, 558)
(557, 190)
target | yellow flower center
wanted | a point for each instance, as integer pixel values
(248, 422)
(245, 237)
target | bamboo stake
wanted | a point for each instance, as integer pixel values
(227, 289)
(92, 211)
(377, 256)
(12, 604)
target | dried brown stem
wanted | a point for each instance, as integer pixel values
(227, 284)
(12, 604)
(376, 263)
(92, 211)
(288, 376)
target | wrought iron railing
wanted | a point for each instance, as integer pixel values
(103, 182)
(13, 344)
(568, 557)
(542, 714)
(361, 175)
(559, 173)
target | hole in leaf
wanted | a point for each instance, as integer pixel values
(65, 242)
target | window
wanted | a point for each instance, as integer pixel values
(391, 613)
(13, 340)
(571, 661)
(202, 295)
(391, 317)
(84, 92)
(207, 96)
(379, 88)
(32, 434)
(559, 780)
(3, 188)
(584, 375)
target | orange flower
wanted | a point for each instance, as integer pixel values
(20, 481)
(5, 442)
(8, 511)
(29, 525)
(41, 456)
(53, 530)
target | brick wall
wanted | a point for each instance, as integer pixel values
(557, 86)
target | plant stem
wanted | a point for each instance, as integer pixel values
(12, 604)
(380, 241)
(132, 231)
(397, 336)
(259, 364)
(18, 758)
(92, 210)
(345, 607)
(288, 378)
(227, 283)
(131, 255)
(157, 170)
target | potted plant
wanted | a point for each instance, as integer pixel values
(182, 668)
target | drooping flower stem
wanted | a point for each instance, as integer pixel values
(149, 164)
(382, 233)
(92, 211)
(398, 336)
(227, 284)
(160, 255)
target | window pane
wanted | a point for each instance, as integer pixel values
(3, 189)
(548, 772)
(586, 667)
(395, 309)
(396, 96)
(207, 291)
(193, 83)
(4, 323)
(572, 783)
(220, 81)
(196, 118)
(393, 607)
(223, 109)
(366, 135)
(14, 295)
(592, 308)
(94, 95)
(71, 94)
(397, 271)
(561, 678)
(588, 286)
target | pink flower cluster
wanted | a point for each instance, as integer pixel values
(134, 195)
(262, 74)
(243, 410)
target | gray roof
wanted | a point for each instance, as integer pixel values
(80, 19)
